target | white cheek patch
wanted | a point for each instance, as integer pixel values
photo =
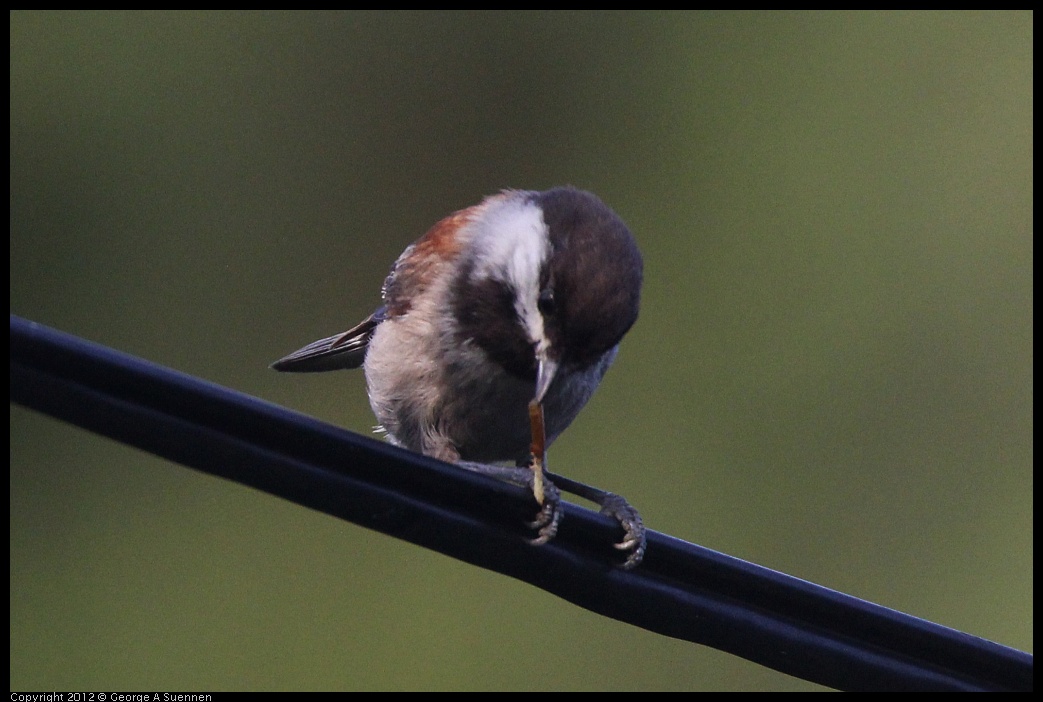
(511, 244)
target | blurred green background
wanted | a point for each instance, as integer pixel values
(831, 376)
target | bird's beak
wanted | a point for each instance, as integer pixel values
(546, 369)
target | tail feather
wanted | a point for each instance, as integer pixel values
(345, 350)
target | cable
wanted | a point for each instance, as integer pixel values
(680, 590)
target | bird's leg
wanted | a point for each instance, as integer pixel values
(616, 507)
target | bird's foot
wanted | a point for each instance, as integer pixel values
(543, 490)
(634, 541)
(549, 516)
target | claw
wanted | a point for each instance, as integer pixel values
(635, 557)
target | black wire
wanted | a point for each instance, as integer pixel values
(680, 590)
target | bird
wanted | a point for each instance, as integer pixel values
(497, 326)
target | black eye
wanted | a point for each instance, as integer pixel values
(545, 302)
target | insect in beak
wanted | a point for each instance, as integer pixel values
(547, 368)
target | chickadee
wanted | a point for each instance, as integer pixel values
(497, 326)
